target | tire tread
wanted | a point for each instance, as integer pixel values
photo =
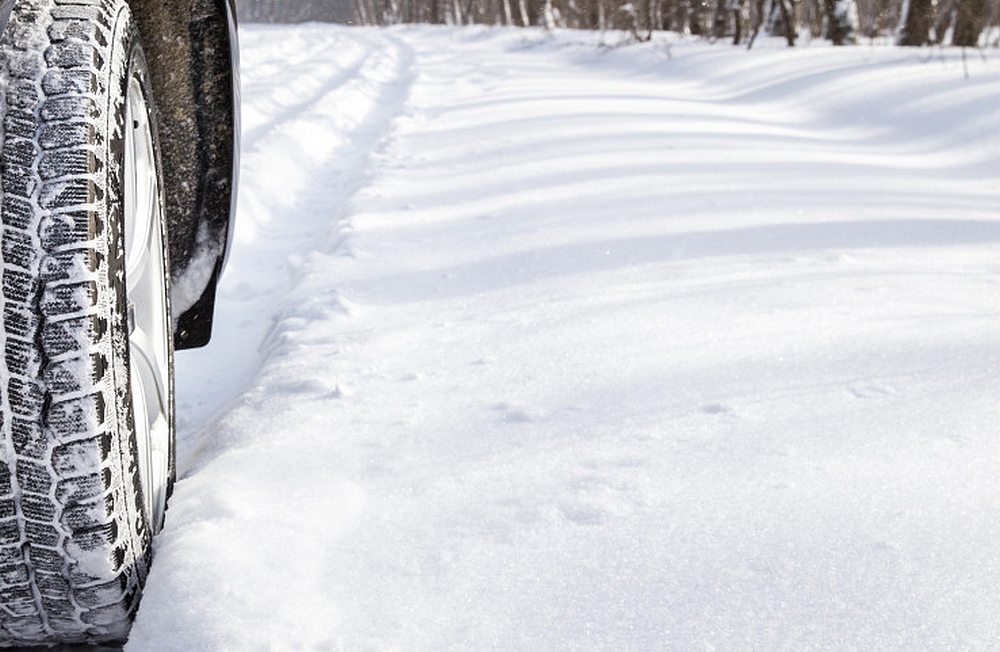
(73, 547)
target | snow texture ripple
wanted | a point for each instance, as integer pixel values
(532, 343)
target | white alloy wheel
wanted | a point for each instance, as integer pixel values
(149, 329)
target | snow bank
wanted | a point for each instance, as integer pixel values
(530, 343)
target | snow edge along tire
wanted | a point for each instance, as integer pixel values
(75, 521)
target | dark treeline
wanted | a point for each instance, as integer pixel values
(908, 22)
(295, 11)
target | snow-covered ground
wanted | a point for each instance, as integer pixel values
(533, 343)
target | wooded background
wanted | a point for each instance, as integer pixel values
(974, 23)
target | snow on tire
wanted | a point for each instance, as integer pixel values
(85, 377)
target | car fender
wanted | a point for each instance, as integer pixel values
(192, 51)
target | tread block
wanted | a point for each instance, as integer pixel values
(42, 534)
(19, 286)
(24, 31)
(33, 476)
(95, 549)
(64, 193)
(37, 508)
(80, 457)
(22, 358)
(78, 574)
(78, 416)
(45, 559)
(101, 595)
(67, 627)
(22, 94)
(70, 108)
(10, 530)
(74, 161)
(19, 249)
(11, 556)
(75, 375)
(80, 489)
(67, 229)
(76, 334)
(19, 123)
(69, 265)
(51, 584)
(18, 180)
(66, 134)
(29, 439)
(108, 614)
(20, 152)
(80, 30)
(59, 609)
(78, 11)
(18, 600)
(20, 321)
(27, 65)
(17, 212)
(14, 574)
(64, 377)
(70, 54)
(25, 396)
(68, 299)
(86, 516)
(62, 82)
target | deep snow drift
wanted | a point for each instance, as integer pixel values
(531, 343)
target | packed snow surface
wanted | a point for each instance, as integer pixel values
(542, 342)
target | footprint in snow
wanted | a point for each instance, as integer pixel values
(311, 388)
(714, 408)
(512, 413)
(869, 390)
(583, 515)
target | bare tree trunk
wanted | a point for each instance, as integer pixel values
(738, 19)
(696, 17)
(813, 15)
(507, 13)
(360, 15)
(918, 16)
(522, 6)
(787, 22)
(841, 21)
(550, 19)
(720, 19)
(758, 19)
(968, 22)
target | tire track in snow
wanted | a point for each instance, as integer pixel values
(302, 160)
(317, 78)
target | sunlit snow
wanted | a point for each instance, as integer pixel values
(532, 342)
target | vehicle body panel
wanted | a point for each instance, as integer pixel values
(192, 53)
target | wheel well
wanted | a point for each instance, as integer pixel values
(191, 50)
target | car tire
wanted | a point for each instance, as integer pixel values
(86, 382)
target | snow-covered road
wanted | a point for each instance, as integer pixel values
(532, 343)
